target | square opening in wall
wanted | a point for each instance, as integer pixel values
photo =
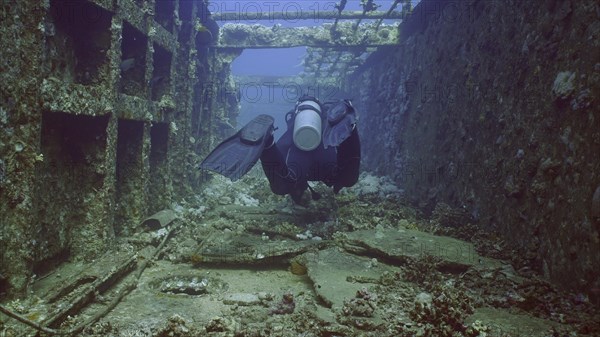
(204, 38)
(161, 75)
(130, 180)
(79, 39)
(208, 32)
(200, 111)
(165, 10)
(186, 9)
(134, 47)
(185, 34)
(74, 147)
(185, 31)
(159, 140)
(159, 145)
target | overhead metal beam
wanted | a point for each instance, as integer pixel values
(241, 16)
(241, 36)
(284, 81)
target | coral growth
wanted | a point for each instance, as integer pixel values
(444, 315)
(363, 305)
(285, 306)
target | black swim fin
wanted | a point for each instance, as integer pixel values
(236, 155)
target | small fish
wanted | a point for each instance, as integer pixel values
(127, 64)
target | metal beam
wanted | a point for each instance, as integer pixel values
(258, 36)
(240, 16)
(284, 81)
(266, 80)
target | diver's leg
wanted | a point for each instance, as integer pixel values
(273, 164)
(348, 160)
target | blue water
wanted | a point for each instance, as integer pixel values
(274, 101)
(257, 98)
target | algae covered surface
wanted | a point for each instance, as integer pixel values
(239, 261)
(480, 131)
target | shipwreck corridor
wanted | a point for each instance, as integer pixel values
(109, 228)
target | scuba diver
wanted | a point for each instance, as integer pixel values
(321, 143)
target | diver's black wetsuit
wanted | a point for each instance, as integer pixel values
(289, 169)
(334, 158)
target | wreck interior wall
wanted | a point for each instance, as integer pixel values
(489, 106)
(159, 140)
(96, 132)
(18, 124)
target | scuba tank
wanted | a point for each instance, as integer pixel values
(307, 124)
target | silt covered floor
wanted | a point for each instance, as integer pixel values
(239, 261)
